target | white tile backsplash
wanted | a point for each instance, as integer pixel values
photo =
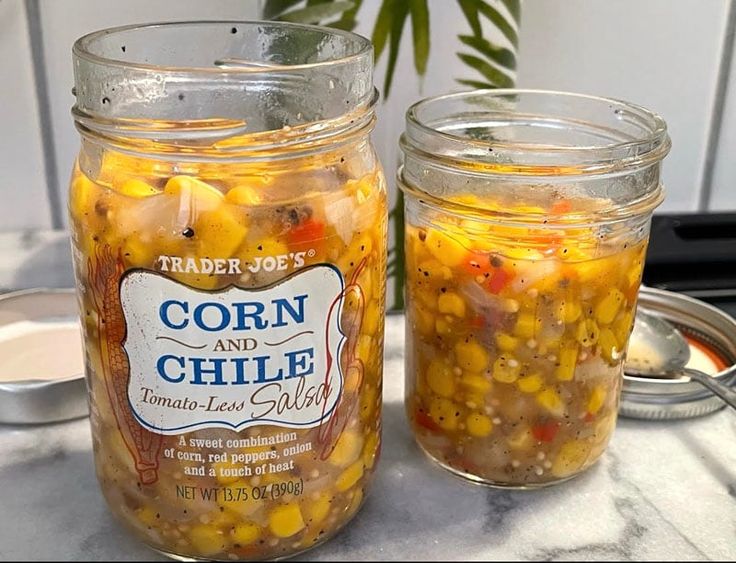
(663, 54)
(23, 193)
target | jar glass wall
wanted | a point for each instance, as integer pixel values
(228, 216)
(527, 220)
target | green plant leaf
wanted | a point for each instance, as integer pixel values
(514, 8)
(274, 8)
(382, 27)
(317, 13)
(502, 57)
(489, 72)
(420, 34)
(471, 14)
(349, 20)
(476, 84)
(401, 12)
(498, 20)
(396, 264)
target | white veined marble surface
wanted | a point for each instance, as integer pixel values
(663, 491)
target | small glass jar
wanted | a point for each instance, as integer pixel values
(228, 216)
(527, 220)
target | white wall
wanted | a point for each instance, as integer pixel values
(23, 195)
(664, 54)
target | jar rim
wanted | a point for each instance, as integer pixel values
(241, 88)
(82, 48)
(603, 138)
(528, 158)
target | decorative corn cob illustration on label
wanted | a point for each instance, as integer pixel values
(233, 358)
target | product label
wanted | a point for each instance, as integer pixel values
(233, 358)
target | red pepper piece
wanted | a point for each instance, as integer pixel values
(307, 234)
(498, 280)
(425, 421)
(545, 432)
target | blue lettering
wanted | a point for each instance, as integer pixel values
(161, 367)
(298, 366)
(242, 315)
(200, 311)
(262, 377)
(283, 304)
(199, 371)
(240, 378)
(164, 313)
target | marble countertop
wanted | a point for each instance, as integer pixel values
(663, 490)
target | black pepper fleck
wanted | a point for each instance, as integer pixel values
(188, 232)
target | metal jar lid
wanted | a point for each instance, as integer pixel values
(669, 399)
(41, 326)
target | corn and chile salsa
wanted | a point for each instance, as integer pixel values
(204, 231)
(515, 337)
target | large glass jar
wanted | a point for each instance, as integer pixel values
(228, 217)
(527, 220)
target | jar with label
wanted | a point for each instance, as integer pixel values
(228, 217)
(527, 220)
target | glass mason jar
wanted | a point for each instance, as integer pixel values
(527, 220)
(228, 216)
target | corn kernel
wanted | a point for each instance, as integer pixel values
(368, 400)
(587, 332)
(444, 412)
(434, 271)
(596, 400)
(219, 232)
(440, 378)
(479, 425)
(609, 346)
(243, 194)
(347, 449)
(506, 369)
(370, 450)
(146, 515)
(520, 440)
(442, 327)
(245, 533)
(242, 508)
(570, 311)
(286, 520)
(471, 355)
(622, 327)
(476, 383)
(506, 342)
(608, 307)
(633, 275)
(196, 193)
(530, 383)
(265, 247)
(221, 466)
(349, 477)
(207, 540)
(445, 248)
(571, 458)
(451, 303)
(551, 401)
(135, 188)
(82, 200)
(423, 320)
(568, 359)
(317, 510)
(527, 325)
(355, 502)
